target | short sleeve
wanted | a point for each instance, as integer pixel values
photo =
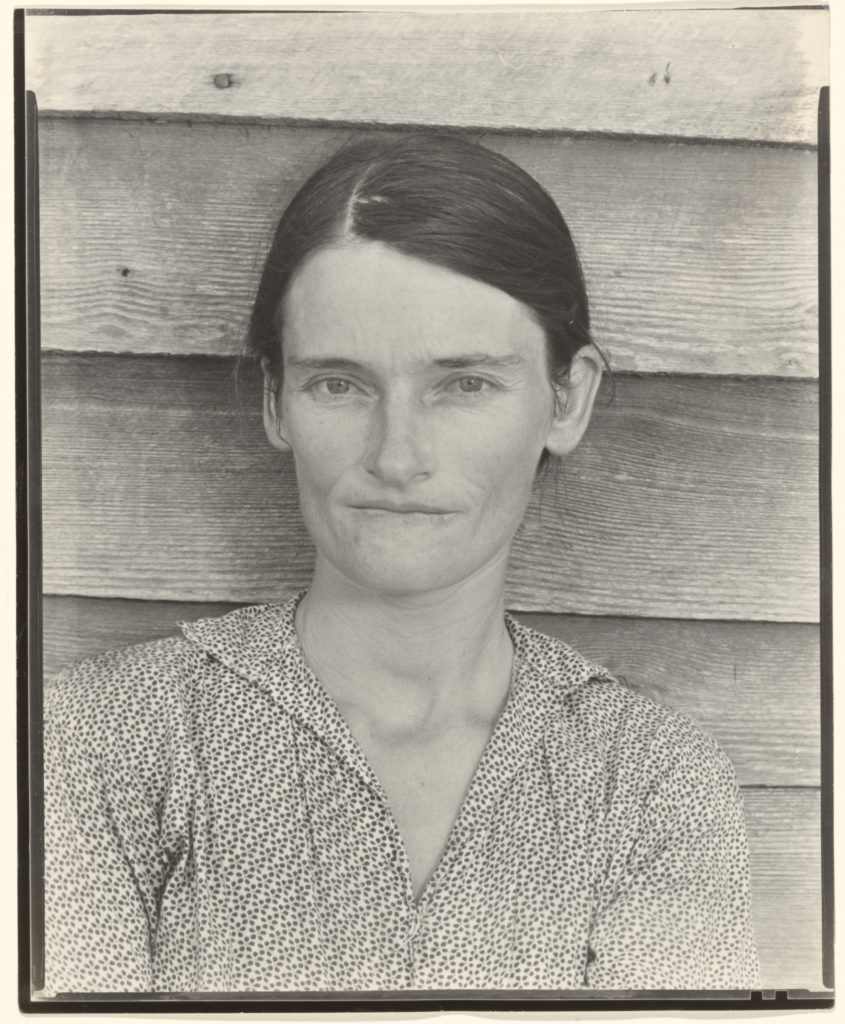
(675, 911)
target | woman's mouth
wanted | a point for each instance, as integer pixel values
(401, 508)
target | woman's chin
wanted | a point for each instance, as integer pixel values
(404, 573)
(403, 560)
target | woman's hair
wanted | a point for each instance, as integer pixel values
(444, 200)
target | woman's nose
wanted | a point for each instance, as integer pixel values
(400, 448)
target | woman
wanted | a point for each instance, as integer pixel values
(388, 783)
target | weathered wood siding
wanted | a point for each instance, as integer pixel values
(159, 251)
(678, 73)
(679, 545)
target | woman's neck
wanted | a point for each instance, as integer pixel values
(411, 661)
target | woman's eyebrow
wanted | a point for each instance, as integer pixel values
(463, 362)
(324, 363)
(479, 359)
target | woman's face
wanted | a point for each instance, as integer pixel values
(417, 404)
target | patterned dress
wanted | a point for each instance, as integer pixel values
(212, 826)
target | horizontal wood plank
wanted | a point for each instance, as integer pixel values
(689, 498)
(784, 834)
(724, 74)
(699, 259)
(753, 685)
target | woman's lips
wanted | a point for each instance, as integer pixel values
(401, 508)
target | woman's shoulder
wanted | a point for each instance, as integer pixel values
(147, 677)
(595, 707)
(643, 738)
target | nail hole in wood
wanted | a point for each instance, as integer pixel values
(222, 81)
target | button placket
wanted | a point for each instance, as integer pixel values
(412, 939)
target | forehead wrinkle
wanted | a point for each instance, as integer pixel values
(391, 307)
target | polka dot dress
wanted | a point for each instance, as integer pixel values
(212, 826)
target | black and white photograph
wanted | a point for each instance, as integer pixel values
(431, 596)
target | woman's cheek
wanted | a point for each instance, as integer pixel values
(322, 440)
(511, 452)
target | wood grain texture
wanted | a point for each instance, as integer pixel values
(753, 685)
(724, 74)
(699, 259)
(690, 498)
(784, 835)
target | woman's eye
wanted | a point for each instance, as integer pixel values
(469, 385)
(333, 386)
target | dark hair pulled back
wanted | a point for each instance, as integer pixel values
(442, 199)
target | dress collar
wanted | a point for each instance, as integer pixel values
(260, 644)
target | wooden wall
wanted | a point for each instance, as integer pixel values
(679, 545)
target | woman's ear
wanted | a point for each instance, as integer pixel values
(575, 402)
(273, 427)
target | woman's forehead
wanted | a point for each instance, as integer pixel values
(365, 295)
